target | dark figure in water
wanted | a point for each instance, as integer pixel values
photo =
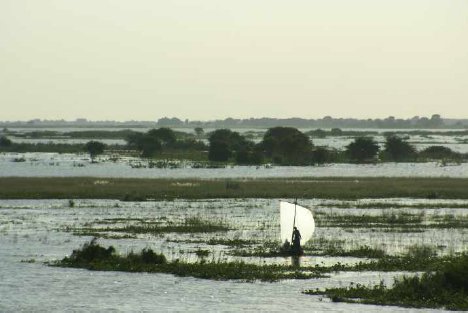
(296, 241)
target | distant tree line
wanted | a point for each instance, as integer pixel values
(418, 122)
(433, 122)
(279, 145)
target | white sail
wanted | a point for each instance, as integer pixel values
(304, 221)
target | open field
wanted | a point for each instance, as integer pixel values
(302, 188)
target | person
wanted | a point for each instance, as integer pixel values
(296, 240)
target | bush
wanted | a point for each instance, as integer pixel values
(91, 252)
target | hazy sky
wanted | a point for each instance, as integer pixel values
(206, 59)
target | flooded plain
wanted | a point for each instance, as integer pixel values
(79, 165)
(36, 231)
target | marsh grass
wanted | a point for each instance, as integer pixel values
(401, 219)
(193, 224)
(391, 221)
(446, 287)
(359, 252)
(92, 256)
(304, 188)
(393, 205)
(231, 242)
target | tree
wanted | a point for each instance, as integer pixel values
(219, 151)
(199, 131)
(287, 145)
(321, 155)
(94, 148)
(224, 143)
(152, 141)
(5, 142)
(362, 149)
(439, 153)
(397, 149)
(166, 136)
(249, 154)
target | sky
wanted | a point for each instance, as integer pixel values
(212, 59)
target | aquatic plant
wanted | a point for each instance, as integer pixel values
(447, 287)
(94, 257)
(189, 225)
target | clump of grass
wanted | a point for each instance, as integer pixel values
(404, 220)
(189, 225)
(360, 252)
(230, 242)
(447, 287)
(94, 257)
(91, 252)
(421, 252)
(201, 253)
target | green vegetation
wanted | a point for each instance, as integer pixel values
(446, 287)
(440, 153)
(362, 149)
(280, 145)
(5, 142)
(189, 225)
(94, 148)
(226, 145)
(398, 149)
(358, 221)
(287, 146)
(360, 252)
(158, 140)
(305, 188)
(393, 221)
(94, 257)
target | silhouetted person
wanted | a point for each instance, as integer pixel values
(296, 240)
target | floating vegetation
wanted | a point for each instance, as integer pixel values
(401, 219)
(189, 225)
(202, 253)
(394, 205)
(92, 256)
(446, 287)
(231, 242)
(405, 221)
(360, 252)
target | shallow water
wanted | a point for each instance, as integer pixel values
(36, 229)
(67, 165)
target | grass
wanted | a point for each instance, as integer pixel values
(189, 225)
(272, 249)
(392, 205)
(360, 252)
(392, 221)
(446, 287)
(92, 256)
(376, 221)
(304, 188)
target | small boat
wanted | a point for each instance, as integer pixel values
(293, 215)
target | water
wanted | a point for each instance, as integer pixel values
(36, 229)
(68, 165)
